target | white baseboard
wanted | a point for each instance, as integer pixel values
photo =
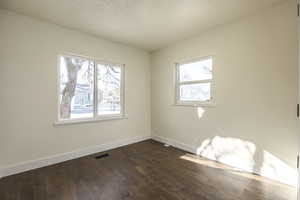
(34, 164)
(191, 149)
(175, 143)
(1, 173)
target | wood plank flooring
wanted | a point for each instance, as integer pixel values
(141, 171)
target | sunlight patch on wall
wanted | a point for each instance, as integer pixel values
(230, 151)
(276, 169)
(248, 157)
(200, 112)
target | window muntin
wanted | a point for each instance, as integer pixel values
(80, 80)
(194, 81)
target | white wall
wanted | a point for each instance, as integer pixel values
(28, 78)
(255, 65)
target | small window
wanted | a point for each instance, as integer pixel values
(194, 82)
(90, 89)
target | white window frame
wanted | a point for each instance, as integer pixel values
(95, 117)
(178, 102)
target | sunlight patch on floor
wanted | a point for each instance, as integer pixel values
(229, 169)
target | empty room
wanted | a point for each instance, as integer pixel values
(149, 99)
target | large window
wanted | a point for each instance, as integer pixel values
(194, 82)
(90, 89)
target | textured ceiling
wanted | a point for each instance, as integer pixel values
(147, 24)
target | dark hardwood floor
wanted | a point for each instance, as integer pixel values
(142, 171)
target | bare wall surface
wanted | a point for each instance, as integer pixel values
(28, 78)
(253, 125)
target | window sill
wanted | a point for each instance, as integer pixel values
(209, 104)
(90, 120)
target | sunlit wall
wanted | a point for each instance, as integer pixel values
(255, 93)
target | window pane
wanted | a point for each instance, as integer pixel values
(76, 88)
(109, 89)
(199, 70)
(195, 92)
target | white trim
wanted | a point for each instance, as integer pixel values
(67, 53)
(122, 92)
(95, 90)
(177, 84)
(175, 143)
(90, 120)
(194, 59)
(43, 162)
(193, 149)
(96, 117)
(58, 86)
(195, 82)
(196, 104)
(1, 173)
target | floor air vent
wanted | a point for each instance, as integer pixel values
(102, 156)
